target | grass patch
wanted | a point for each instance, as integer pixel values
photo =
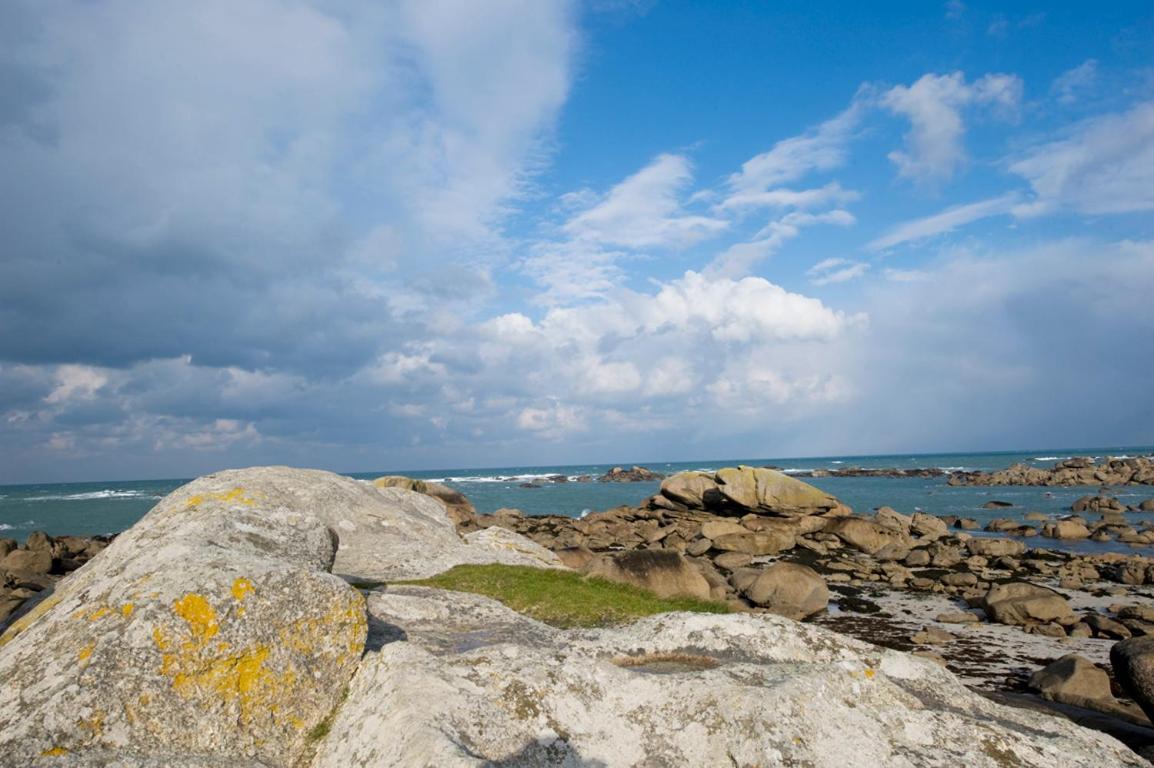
(562, 598)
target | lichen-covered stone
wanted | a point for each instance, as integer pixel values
(676, 689)
(211, 629)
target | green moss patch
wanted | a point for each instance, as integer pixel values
(562, 598)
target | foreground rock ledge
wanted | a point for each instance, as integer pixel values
(212, 630)
(472, 683)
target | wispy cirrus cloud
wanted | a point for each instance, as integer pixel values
(1104, 166)
(946, 221)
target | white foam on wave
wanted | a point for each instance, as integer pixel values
(11, 527)
(93, 495)
(795, 471)
(495, 478)
(1050, 458)
(837, 462)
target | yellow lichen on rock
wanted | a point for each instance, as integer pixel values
(86, 651)
(235, 495)
(198, 613)
(54, 752)
(241, 588)
(127, 609)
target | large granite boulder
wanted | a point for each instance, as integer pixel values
(1076, 680)
(770, 492)
(665, 573)
(768, 542)
(212, 630)
(384, 533)
(1133, 663)
(1020, 602)
(987, 546)
(457, 680)
(461, 511)
(743, 490)
(1066, 529)
(869, 536)
(789, 589)
(695, 490)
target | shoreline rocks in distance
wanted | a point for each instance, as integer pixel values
(1080, 470)
(634, 474)
(27, 570)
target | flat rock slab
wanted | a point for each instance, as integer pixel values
(675, 689)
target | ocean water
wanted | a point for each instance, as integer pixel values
(108, 507)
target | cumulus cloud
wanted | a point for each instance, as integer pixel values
(933, 105)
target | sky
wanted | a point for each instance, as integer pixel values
(411, 234)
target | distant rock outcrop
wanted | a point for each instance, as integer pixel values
(1077, 471)
(634, 474)
(743, 490)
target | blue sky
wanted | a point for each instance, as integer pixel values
(367, 235)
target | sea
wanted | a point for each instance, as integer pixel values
(108, 507)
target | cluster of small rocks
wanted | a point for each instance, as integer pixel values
(698, 537)
(1111, 523)
(27, 570)
(728, 527)
(1080, 470)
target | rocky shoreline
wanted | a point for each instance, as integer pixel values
(1079, 470)
(989, 607)
(1032, 626)
(39, 563)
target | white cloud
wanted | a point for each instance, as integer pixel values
(292, 161)
(782, 197)
(945, 221)
(551, 421)
(76, 382)
(934, 107)
(1069, 85)
(836, 270)
(821, 149)
(739, 259)
(1105, 166)
(645, 210)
